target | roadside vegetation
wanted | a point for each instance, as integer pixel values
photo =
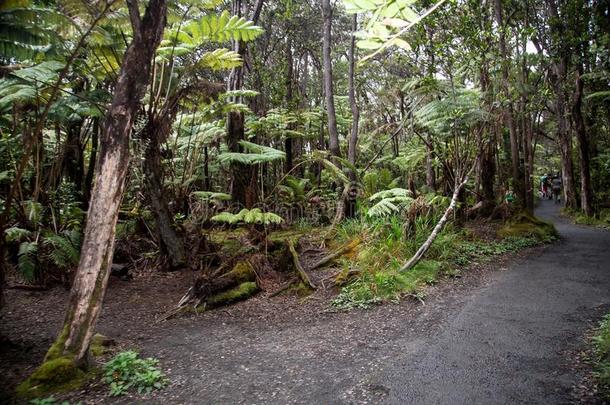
(601, 357)
(280, 148)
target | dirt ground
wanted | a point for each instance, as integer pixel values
(290, 349)
(133, 313)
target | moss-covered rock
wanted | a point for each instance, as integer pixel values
(100, 345)
(241, 292)
(57, 375)
(526, 225)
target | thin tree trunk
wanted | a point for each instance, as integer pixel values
(91, 277)
(289, 102)
(353, 140)
(171, 244)
(583, 148)
(333, 134)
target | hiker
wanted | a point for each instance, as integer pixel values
(544, 187)
(556, 186)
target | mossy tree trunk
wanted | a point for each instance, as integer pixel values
(96, 254)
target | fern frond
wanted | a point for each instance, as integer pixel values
(16, 234)
(26, 260)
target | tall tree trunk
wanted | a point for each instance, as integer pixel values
(517, 173)
(156, 132)
(91, 277)
(333, 134)
(583, 148)
(353, 140)
(242, 174)
(289, 102)
(558, 81)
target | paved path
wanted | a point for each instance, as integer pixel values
(501, 341)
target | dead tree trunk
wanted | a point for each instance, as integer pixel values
(91, 277)
(437, 229)
(333, 134)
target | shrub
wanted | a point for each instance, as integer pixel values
(126, 371)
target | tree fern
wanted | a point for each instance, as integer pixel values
(390, 202)
(251, 217)
(255, 154)
(15, 234)
(64, 248)
(26, 260)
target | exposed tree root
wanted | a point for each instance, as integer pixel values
(297, 265)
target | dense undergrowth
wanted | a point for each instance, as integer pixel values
(385, 249)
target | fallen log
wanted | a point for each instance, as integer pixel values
(297, 265)
(337, 253)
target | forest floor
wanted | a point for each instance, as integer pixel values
(505, 332)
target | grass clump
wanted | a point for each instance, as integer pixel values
(127, 371)
(600, 219)
(385, 248)
(601, 352)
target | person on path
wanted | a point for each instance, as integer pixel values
(544, 187)
(556, 186)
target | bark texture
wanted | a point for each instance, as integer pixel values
(586, 196)
(333, 134)
(353, 140)
(91, 277)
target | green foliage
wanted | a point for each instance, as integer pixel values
(64, 248)
(246, 216)
(257, 154)
(127, 371)
(377, 180)
(385, 249)
(48, 401)
(15, 234)
(27, 260)
(209, 195)
(389, 202)
(601, 352)
(217, 28)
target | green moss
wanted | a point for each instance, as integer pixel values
(57, 375)
(99, 345)
(525, 225)
(241, 272)
(242, 291)
(57, 348)
(282, 236)
(300, 290)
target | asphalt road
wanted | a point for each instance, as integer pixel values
(502, 340)
(506, 344)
